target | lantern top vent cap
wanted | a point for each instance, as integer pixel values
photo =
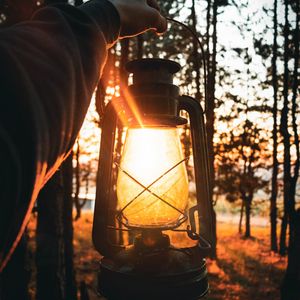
(152, 64)
(154, 70)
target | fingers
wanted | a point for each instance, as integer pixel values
(157, 21)
(154, 4)
(149, 17)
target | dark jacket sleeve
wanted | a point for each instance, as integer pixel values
(50, 66)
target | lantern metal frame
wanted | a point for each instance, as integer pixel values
(159, 103)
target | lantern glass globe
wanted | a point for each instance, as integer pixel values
(151, 181)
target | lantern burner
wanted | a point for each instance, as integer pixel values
(151, 240)
(153, 269)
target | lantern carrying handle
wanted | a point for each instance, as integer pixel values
(102, 221)
(201, 163)
(198, 41)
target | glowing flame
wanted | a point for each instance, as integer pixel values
(148, 154)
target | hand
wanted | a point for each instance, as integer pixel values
(138, 16)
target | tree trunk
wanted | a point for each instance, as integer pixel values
(196, 62)
(290, 287)
(70, 282)
(15, 277)
(248, 201)
(286, 137)
(241, 217)
(77, 182)
(208, 21)
(49, 242)
(294, 178)
(273, 200)
(283, 230)
(210, 118)
(54, 238)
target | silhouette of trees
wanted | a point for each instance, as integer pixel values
(243, 161)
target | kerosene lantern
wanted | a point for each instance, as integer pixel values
(152, 192)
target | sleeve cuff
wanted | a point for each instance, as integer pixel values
(106, 16)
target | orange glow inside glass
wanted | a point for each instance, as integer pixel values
(146, 178)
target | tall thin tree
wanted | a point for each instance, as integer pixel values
(273, 200)
(290, 286)
(295, 86)
(196, 61)
(284, 130)
(210, 102)
(50, 242)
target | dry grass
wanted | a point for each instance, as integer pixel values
(244, 270)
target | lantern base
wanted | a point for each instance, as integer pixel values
(177, 274)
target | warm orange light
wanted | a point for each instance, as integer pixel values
(148, 154)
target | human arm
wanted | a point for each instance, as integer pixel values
(50, 66)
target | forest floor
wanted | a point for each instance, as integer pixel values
(245, 268)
